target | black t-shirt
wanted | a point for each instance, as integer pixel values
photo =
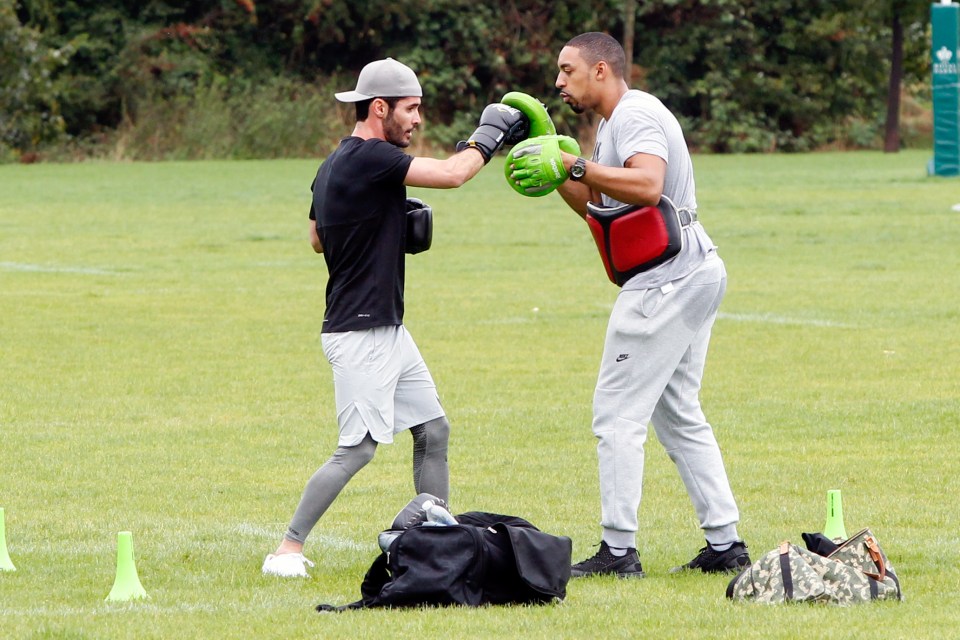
(359, 203)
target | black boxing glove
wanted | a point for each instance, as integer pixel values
(498, 123)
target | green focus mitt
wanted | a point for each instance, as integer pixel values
(535, 112)
(535, 167)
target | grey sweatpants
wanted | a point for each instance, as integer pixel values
(653, 360)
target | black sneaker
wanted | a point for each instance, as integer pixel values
(709, 560)
(605, 563)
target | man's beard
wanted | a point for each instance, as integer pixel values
(393, 132)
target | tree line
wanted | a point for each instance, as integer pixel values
(249, 78)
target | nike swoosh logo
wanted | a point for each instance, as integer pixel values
(622, 357)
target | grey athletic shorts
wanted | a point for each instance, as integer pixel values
(381, 383)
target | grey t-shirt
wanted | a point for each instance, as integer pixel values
(642, 124)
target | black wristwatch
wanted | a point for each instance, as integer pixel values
(579, 169)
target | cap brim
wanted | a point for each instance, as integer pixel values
(351, 96)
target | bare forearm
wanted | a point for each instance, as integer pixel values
(576, 195)
(444, 174)
(315, 238)
(640, 182)
(465, 165)
(626, 185)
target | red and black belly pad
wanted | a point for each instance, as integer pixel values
(633, 239)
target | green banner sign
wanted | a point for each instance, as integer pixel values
(945, 18)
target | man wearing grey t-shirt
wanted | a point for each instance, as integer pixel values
(659, 330)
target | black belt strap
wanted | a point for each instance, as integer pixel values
(785, 572)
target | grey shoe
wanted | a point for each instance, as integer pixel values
(414, 514)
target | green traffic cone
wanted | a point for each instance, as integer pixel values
(5, 563)
(127, 584)
(833, 528)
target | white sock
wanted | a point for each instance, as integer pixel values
(617, 551)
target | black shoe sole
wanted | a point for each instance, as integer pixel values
(734, 569)
(594, 574)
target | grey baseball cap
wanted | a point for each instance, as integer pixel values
(384, 79)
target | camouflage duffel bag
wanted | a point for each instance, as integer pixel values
(856, 571)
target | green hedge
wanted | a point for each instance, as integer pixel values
(240, 78)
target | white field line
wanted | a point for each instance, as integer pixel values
(62, 611)
(769, 318)
(186, 535)
(62, 548)
(258, 531)
(273, 532)
(334, 542)
(39, 268)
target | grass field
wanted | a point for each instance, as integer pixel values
(160, 372)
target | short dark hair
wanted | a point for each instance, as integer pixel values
(595, 46)
(363, 107)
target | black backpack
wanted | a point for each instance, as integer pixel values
(486, 559)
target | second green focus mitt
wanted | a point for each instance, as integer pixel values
(535, 167)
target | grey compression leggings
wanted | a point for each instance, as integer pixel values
(431, 474)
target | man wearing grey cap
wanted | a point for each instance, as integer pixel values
(358, 221)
